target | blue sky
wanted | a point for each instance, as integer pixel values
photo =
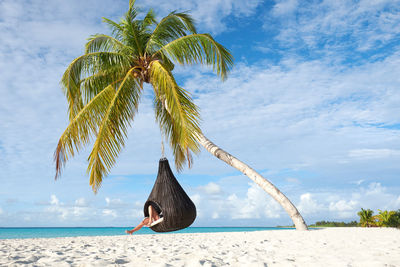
(312, 103)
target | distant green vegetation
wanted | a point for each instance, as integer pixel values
(384, 218)
(334, 224)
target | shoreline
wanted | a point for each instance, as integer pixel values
(323, 247)
(52, 232)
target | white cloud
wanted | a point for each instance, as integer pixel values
(210, 14)
(54, 200)
(1, 211)
(135, 213)
(256, 204)
(344, 204)
(263, 49)
(139, 204)
(79, 211)
(56, 207)
(108, 212)
(211, 188)
(373, 153)
(196, 199)
(114, 202)
(309, 113)
(284, 7)
(238, 204)
(309, 205)
(336, 28)
(81, 202)
(375, 189)
(344, 209)
(359, 182)
(215, 215)
(397, 203)
(235, 202)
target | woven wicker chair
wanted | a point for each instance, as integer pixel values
(168, 197)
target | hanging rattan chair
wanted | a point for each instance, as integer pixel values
(168, 198)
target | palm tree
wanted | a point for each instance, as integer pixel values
(103, 89)
(366, 218)
(384, 218)
(394, 220)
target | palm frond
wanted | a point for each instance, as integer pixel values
(131, 32)
(171, 27)
(105, 43)
(149, 19)
(116, 28)
(171, 131)
(132, 12)
(113, 130)
(176, 113)
(82, 127)
(92, 85)
(136, 32)
(133, 36)
(131, 3)
(199, 48)
(82, 67)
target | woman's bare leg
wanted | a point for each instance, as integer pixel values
(143, 223)
(153, 215)
(150, 209)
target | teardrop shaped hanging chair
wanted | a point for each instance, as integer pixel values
(168, 198)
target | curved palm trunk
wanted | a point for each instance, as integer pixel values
(258, 179)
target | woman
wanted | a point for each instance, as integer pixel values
(154, 218)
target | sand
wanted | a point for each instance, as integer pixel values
(325, 247)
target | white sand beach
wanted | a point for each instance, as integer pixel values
(325, 247)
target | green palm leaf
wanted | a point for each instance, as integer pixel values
(134, 33)
(105, 43)
(82, 127)
(172, 131)
(113, 130)
(131, 3)
(176, 113)
(170, 28)
(116, 29)
(149, 19)
(82, 66)
(199, 48)
(93, 84)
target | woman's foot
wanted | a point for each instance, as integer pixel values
(128, 232)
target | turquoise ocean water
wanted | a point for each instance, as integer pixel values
(49, 232)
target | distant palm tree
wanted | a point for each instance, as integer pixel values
(103, 89)
(384, 218)
(366, 218)
(394, 220)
